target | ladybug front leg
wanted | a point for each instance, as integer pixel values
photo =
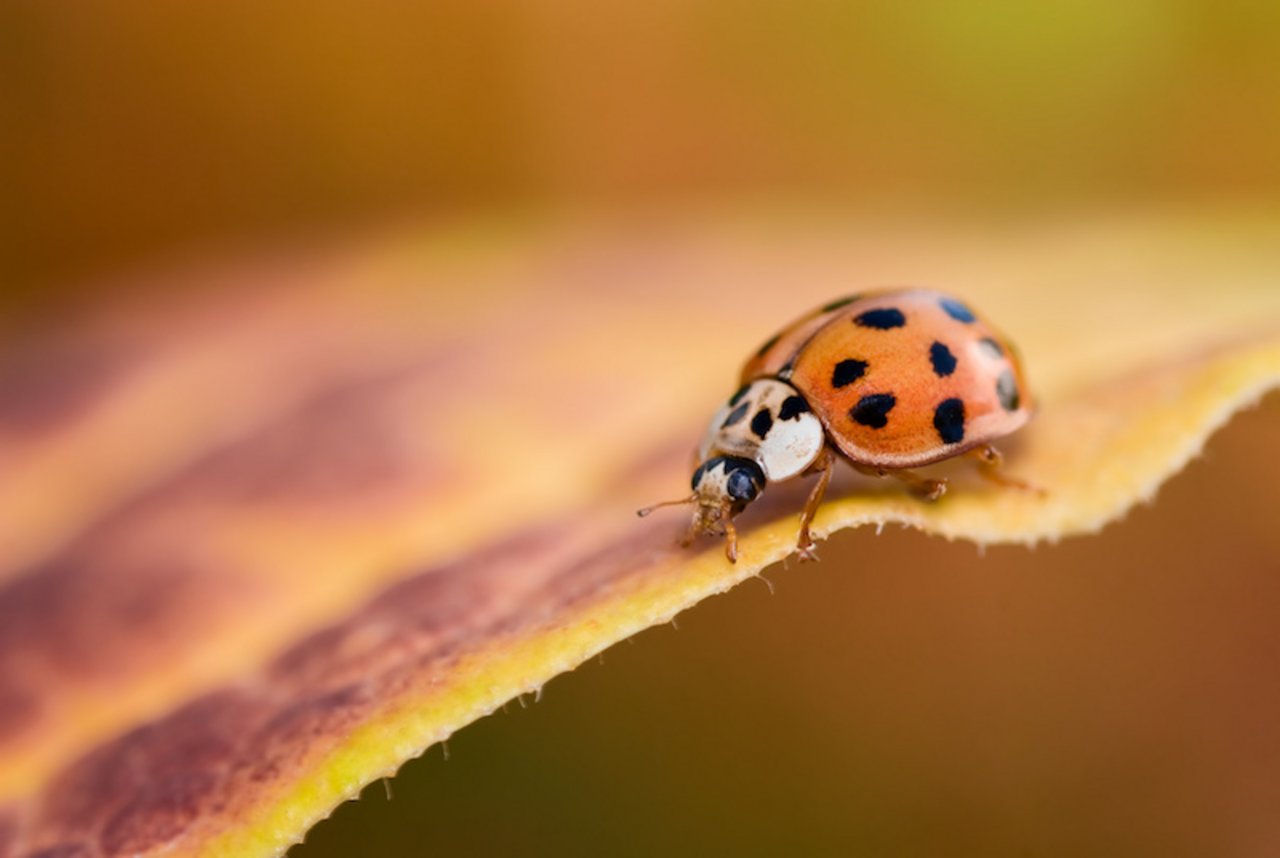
(804, 544)
(690, 533)
(990, 465)
(730, 536)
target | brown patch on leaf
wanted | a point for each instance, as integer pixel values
(346, 441)
(8, 832)
(159, 812)
(46, 380)
(216, 758)
(65, 850)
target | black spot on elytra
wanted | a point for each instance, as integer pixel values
(944, 362)
(792, 406)
(957, 311)
(882, 319)
(736, 415)
(762, 422)
(836, 305)
(991, 347)
(737, 397)
(768, 344)
(847, 372)
(1007, 391)
(948, 419)
(873, 410)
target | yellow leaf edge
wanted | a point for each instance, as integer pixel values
(487, 678)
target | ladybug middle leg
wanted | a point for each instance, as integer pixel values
(923, 487)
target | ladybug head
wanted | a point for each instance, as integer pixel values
(722, 488)
(727, 482)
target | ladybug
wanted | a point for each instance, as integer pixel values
(886, 380)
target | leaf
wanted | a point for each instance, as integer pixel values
(265, 543)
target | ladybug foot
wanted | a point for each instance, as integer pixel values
(807, 552)
(730, 539)
(922, 487)
(930, 490)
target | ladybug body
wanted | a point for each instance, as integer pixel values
(887, 380)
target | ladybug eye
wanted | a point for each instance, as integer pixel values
(741, 487)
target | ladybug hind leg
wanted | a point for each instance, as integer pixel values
(924, 487)
(991, 468)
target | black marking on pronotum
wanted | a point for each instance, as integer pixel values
(762, 422)
(957, 311)
(873, 410)
(737, 397)
(944, 362)
(741, 488)
(1007, 391)
(847, 372)
(948, 419)
(882, 319)
(836, 305)
(768, 344)
(787, 368)
(792, 407)
(991, 347)
(703, 469)
(735, 415)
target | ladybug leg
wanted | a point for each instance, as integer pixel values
(924, 487)
(690, 534)
(804, 544)
(990, 465)
(730, 536)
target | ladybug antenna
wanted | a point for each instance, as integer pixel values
(693, 498)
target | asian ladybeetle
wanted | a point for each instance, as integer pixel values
(887, 380)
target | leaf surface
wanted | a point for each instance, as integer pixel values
(263, 543)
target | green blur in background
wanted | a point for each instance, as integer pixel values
(134, 131)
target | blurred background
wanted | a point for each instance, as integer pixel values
(133, 131)
(905, 697)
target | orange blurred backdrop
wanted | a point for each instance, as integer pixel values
(133, 131)
(1113, 696)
